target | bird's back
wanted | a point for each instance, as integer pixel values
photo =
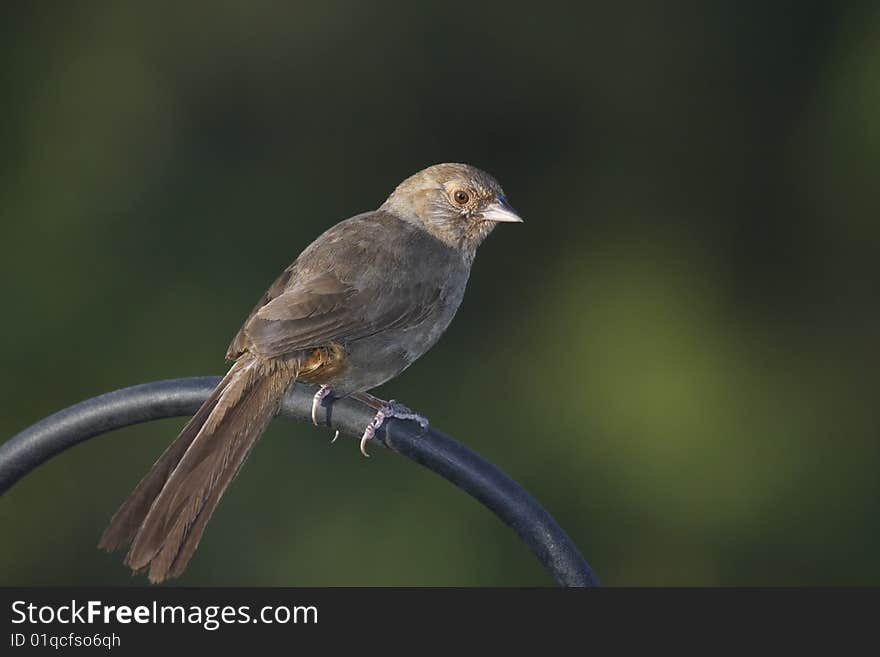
(388, 276)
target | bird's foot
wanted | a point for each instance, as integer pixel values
(388, 410)
(317, 400)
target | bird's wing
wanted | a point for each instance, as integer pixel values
(241, 342)
(321, 309)
(364, 275)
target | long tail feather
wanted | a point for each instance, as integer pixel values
(166, 514)
(128, 518)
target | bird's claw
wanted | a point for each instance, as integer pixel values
(391, 409)
(317, 400)
(320, 396)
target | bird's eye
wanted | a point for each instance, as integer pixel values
(461, 197)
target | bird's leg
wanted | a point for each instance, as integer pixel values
(384, 411)
(320, 396)
(366, 398)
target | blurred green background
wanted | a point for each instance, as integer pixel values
(677, 353)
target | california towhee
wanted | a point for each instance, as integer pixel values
(355, 309)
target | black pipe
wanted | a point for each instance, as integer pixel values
(432, 449)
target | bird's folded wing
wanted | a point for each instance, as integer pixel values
(322, 309)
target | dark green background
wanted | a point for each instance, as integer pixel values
(677, 353)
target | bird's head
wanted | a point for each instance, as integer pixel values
(456, 203)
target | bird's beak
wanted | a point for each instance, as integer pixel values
(500, 210)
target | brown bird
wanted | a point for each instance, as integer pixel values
(356, 308)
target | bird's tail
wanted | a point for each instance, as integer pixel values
(165, 515)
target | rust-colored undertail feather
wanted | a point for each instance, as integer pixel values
(166, 514)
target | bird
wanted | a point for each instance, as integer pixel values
(357, 307)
